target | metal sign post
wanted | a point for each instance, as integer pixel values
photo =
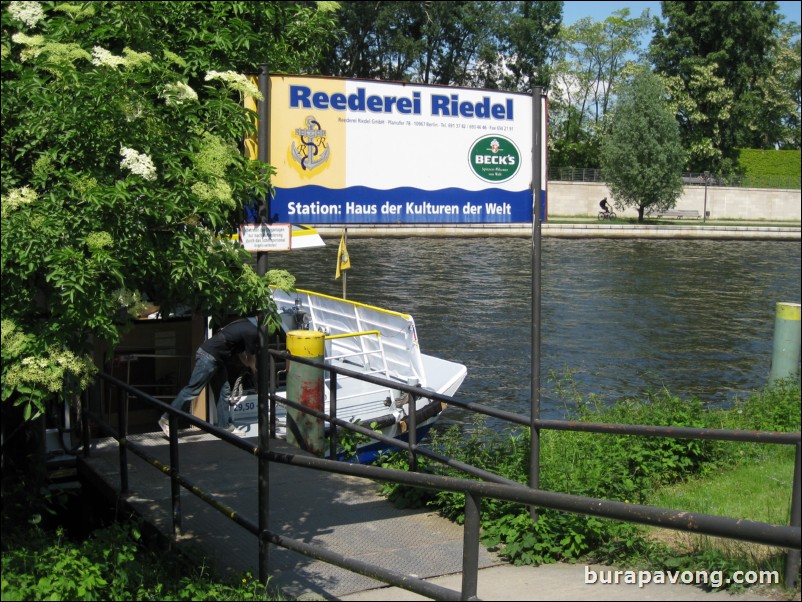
(264, 359)
(539, 119)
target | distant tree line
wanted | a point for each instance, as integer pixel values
(731, 69)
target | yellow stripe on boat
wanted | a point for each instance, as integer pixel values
(356, 304)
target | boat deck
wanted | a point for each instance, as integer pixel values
(342, 513)
(358, 400)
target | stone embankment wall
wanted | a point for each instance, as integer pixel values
(582, 199)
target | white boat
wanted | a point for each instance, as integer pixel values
(370, 340)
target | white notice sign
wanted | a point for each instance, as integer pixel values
(266, 237)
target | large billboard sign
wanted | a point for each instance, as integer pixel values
(358, 151)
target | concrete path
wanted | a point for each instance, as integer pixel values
(567, 582)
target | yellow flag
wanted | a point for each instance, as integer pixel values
(343, 259)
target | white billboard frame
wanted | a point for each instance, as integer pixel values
(374, 152)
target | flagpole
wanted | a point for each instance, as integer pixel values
(345, 272)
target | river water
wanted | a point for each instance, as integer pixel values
(619, 317)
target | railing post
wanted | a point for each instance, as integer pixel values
(263, 482)
(792, 556)
(470, 546)
(539, 118)
(265, 390)
(122, 428)
(412, 425)
(272, 388)
(333, 413)
(92, 395)
(175, 487)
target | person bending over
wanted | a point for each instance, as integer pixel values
(240, 337)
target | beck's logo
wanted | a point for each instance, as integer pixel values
(494, 158)
(312, 151)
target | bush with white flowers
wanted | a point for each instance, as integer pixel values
(122, 170)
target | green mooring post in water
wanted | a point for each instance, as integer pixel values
(305, 386)
(785, 353)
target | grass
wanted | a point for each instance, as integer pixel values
(757, 491)
(754, 491)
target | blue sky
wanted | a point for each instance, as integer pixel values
(598, 11)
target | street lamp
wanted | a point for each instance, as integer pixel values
(707, 181)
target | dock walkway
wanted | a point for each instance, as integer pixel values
(344, 514)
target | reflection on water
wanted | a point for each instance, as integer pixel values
(621, 316)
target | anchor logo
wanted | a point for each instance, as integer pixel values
(312, 152)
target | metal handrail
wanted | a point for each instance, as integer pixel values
(348, 335)
(592, 174)
(502, 489)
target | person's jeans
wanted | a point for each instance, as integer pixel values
(207, 369)
(222, 387)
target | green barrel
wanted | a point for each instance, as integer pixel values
(785, 353)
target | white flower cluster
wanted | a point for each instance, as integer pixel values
(26, 40)
(97, 241)
(33, 45)
(135, 59)
(132, 59)
(237, 82)
(29, 13)
(218, 192)
(49, 372)
(178, 93)
(104, 58)
(131, 301)
(16, 198)
(139, 163)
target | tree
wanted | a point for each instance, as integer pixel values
(779, 121)
(525, 47)
(702, 104)
(122, 171)
(423, 42)
(374, 40)
(734, 41)
(497, 45)
(641, 153)
(594, 56)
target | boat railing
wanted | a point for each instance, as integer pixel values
(400, 354)
(365, 356)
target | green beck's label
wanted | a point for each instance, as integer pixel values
(494, 158)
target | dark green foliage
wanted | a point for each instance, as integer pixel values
(499, 45)
(737, 40)
(114, 563)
